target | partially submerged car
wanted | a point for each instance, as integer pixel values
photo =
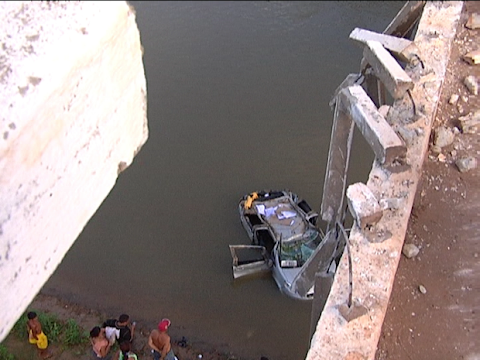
(284, 237)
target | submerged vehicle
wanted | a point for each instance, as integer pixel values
(284, 239)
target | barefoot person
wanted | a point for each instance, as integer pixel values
(159, 341)
(100, 344)
(36, 335)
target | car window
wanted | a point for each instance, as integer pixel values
(296, 253)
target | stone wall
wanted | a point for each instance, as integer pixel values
(73, 116)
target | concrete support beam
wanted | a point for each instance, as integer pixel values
(385, 143)
(374, 264)
(387, 69)
(403, 49)
(403, 23)
(73, 116)
(337, 165)
(406, 19)
(322, 257)
(323, 281)
(351, 79)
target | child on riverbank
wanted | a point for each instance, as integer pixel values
(37, 336)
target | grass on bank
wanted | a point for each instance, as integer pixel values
(68, 335)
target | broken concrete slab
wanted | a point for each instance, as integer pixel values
(473, 57)
(403, 23)
(77, 115)
(387, 69)
(385, 143)
(337, 165)
(403, 49)
(469, 124)
(473, 21)
(351, 79)
(363, 205)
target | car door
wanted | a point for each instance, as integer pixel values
(249, 260)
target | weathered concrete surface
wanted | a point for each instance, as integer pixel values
(73, 116)
(363, 205)
(403, 49)
(337, 165)
(385, 143)
(387, 69)
(375, 263)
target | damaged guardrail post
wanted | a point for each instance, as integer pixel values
(400, 27)
(387, 69)
(387, 146)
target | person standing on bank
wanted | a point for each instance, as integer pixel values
(36, 335)
(126, 330)
(100, 343)
(159, 342)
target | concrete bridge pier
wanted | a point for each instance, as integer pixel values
(73, 117)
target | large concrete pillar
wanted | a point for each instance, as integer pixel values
(73, 116)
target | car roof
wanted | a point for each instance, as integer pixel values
(284, 217)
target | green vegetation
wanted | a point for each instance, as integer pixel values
(5, 354)
(73, 334)
(51, 326)
(68, 334)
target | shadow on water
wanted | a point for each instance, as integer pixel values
(238, 98)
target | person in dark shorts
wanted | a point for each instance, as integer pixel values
(126, 330)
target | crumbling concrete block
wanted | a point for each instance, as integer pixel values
(403, 49)
(470, 123)
(383, 140)
(363, 205)
(351, 79)
(387, 69)
(473, 21)
(472, 84)
(473, 57)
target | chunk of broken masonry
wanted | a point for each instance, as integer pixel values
(473, 21)
(363, 205)
(473, 57)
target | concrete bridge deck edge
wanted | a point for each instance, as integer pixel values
(375, 260)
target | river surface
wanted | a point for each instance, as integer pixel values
(238, 97)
